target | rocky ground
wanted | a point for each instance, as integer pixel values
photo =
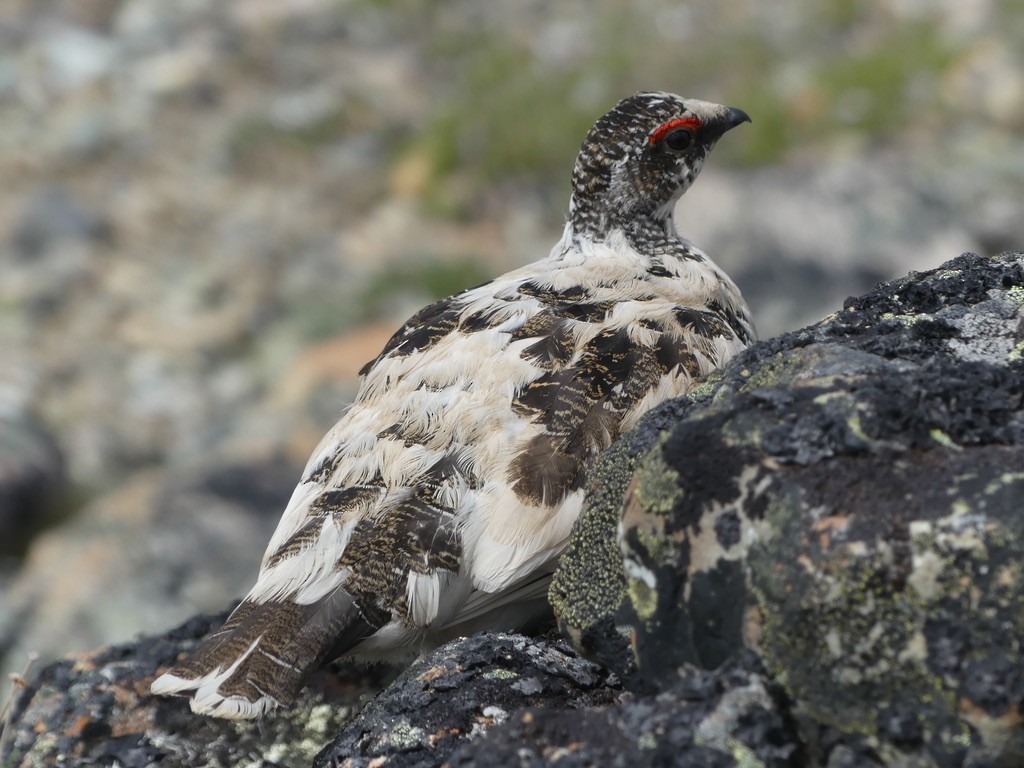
(817, 564)
(214, 212)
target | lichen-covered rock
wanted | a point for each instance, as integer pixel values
(846, 501)
(732, 717)
(95, 710)
(458, 693)
(492, 699)
(589, 587)
(499, 700)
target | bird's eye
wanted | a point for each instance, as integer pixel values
(679, 139)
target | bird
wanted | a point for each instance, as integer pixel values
(440, 501)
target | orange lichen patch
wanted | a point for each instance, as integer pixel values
(827, 527)
(78, 725)
(139, 720)
(994, 729)
(84, 662)
(487, 720)
(753, 628)
(140, 687)
(434, 738)
(125, 697)
(434, 673)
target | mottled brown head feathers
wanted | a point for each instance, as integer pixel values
(641, 156)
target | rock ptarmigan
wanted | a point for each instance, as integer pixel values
(441, 500)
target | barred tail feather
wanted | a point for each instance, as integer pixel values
(262, 655)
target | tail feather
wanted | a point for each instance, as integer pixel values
(262, 655)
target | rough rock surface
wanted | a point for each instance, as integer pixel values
(95, 710)
(845, 501)
(732, 717)
(461, 691)
(488, 700)
(589, 586)
(32, 477)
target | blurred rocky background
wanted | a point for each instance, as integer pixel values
(214, 212)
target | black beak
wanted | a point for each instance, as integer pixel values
(736, 116)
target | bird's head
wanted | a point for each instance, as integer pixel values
(641, 156)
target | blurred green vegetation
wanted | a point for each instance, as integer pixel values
(388, 293)
(517, 122)
(517, 98)
(871, 91)
(432, 277)
(840, 69)
(511, 100)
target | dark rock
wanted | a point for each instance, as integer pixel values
(459, 693)
(499, 700)
(95, 710)
(845, 501)
(488, 700)
(729, 717)
(32, 479)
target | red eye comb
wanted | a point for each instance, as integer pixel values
(664, 129)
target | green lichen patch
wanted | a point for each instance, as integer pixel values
(500, 673)
(897, 599)
(589, 586)
(588, 591)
